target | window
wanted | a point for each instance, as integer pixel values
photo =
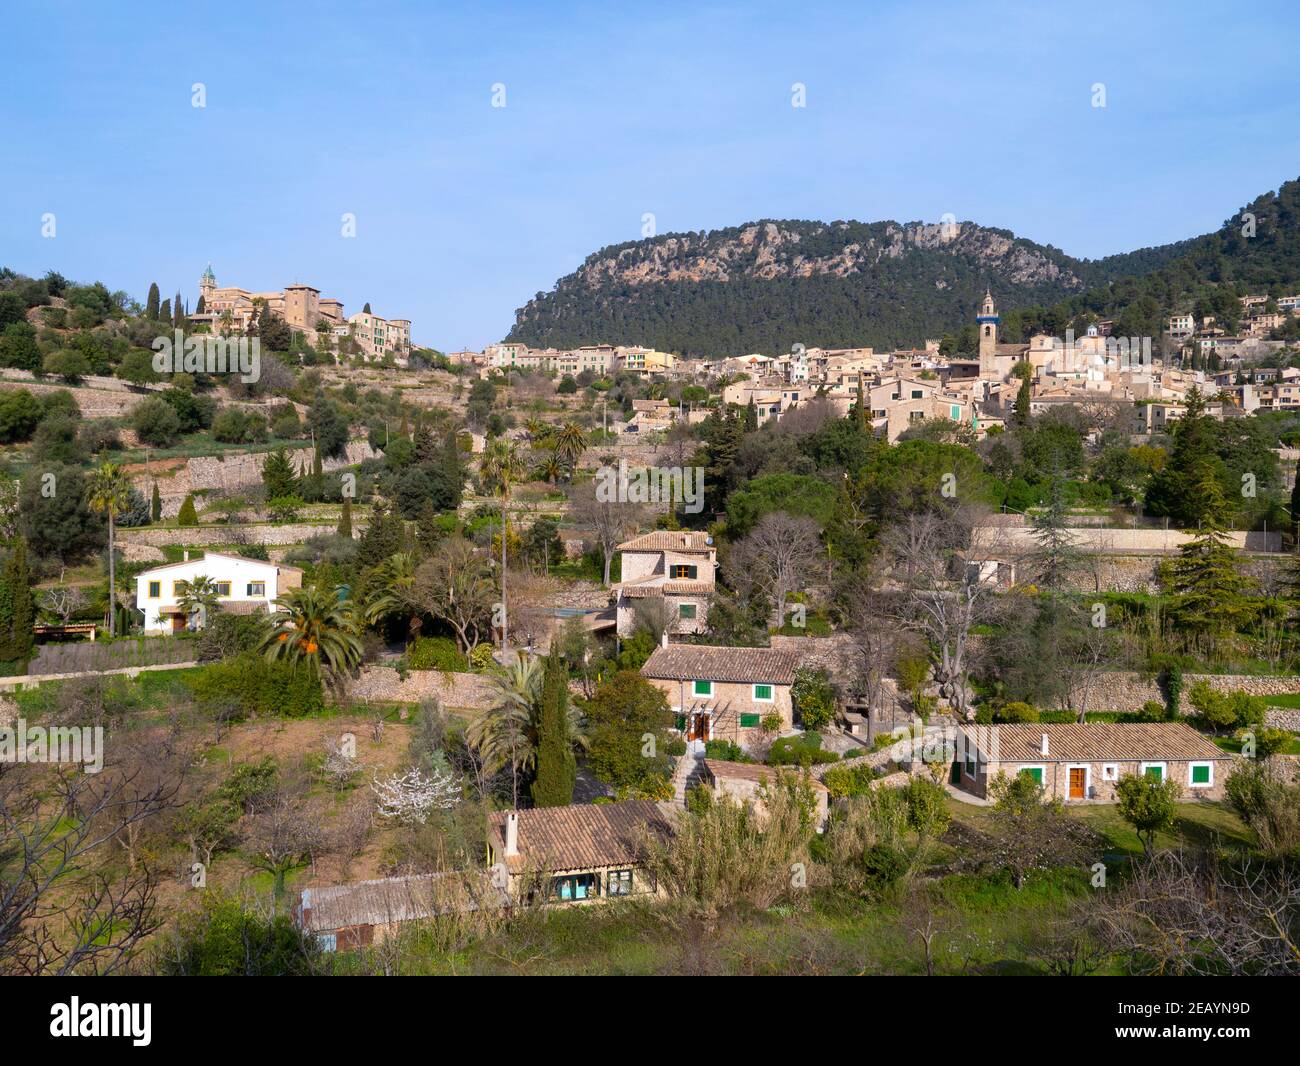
(576, 887)
(257, 588)
(917, 394)
(955, 412)
(679, 723)
(972, 766)
(155, 589)
(702, 688)
(682, 571)
(763, 694)
(1154, 769)
(1036, 772)
(1201, 775)
(178, 589)
(223, 588)
(1110, 772)
(618, 883)
(686, 610)
(749, 721)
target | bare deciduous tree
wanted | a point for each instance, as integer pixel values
(610, 522)
(776, 558)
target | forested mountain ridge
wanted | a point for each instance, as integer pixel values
(767, 285)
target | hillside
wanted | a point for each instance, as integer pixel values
(767, 285)
(770, 284)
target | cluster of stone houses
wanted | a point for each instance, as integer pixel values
(229, 309)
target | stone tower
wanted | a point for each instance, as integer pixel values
(988, 326)
(207, 283)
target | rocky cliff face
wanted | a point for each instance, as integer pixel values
(764, 285)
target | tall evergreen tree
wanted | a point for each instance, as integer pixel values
(165, 312)
(178, 313)
(1023, 400)
(201, 306)
(278, 475)
(1213, 592)
(155, 505)
(557, 770)
(345, 519)
(17, 610)
(151, 302)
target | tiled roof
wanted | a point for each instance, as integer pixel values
(704, 662)
(581, 836)
(1099, 742)
(668, 540)
(642, 589)
(722, 770)
(396, 899)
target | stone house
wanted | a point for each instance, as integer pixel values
(678, 567)
(576, 854)
(724, 693)
(1083, 763)
(346, 917)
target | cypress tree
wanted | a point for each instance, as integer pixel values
(1295, 503)
(366, 310)
(151, 302)
(178, 314)
(345, 519)
(188, 515)
(200, 306)
(862, 404)
(17, 610)
(1022, 403)
(155, 505)
(165, 312)
(557, 770)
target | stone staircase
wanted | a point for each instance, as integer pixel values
(688, 773)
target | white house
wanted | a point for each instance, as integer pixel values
(244, 586)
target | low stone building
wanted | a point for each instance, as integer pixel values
(576, 854)
(744, 782)
(346, 917)
(1079, 763)
(721, 693)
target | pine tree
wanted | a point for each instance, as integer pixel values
(1213, 592)
(151, 302)
(155, 505)
(17, 610)
(278, 475)
(557, 770)
(345, 519)
(188, 516)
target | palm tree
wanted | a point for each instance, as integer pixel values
(394, 592)
(499, 468)
(198, 598)
(506, 733)
(315, 627)
(108, 491)
(551, 469)
(570, 443)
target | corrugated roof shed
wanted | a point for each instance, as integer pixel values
(396, 899)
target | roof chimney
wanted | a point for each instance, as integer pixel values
(1044, 743)
(663, 641)
(512, 833)
(187, 555)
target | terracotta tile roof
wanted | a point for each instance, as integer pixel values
(395, 899)
(642, 589)
(704, 662)
(579, 837)
(722, 770)
(1099, 742)
(668, 540)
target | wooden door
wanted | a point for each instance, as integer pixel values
(699, 727)
(1078, 782)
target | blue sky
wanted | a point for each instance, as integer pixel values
(464, 211)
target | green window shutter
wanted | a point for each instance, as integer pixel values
(681, 721)
(1201, 774)
(1036, 772)
(1156, 772)
(686, 610)
(749, 721)
(703, 688)
(762, 692)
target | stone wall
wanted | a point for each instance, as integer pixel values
(455, 690)
(199, 536)
(1128, 691)
(235, 472)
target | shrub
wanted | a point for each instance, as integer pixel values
(480, 657)
(725, 751)
(800, 750)
(435, 653)
(261, 686)
(884, 866)
(814, 698)
(224, 939)
(1015, 711)
(849, 780)
(1153, 711)
(155, 422)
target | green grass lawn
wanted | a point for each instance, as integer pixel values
(1290, 700)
